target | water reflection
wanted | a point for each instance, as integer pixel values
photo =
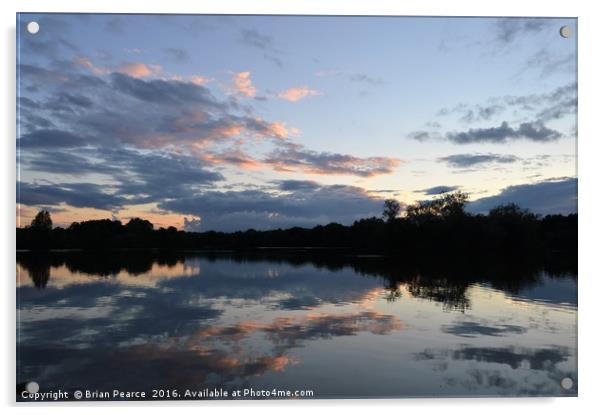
(343, 325)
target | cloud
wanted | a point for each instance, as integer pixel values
(547, 63)
(115, 25)
(51, 138)
(292, 331)
(293, 185)
(61, 162)
(542, 107)
(540, 101)
(164, 92)
(327, 72)
(482, 113)
(292, 157)
(199, 79)
(133, 69)
(143, 113)
(469, 160)
(286, 205)
(552, 196)
(64, 101)
(509, 28)
(515, 357)
(533, 131)
(178, 54)
(137, 177)
(352, 77)
(87, 63)
(149, 177)
(233, 157)
(475, 329)
(470, 114)
(262, 42)
(297, 93)
(83, 195)
(535, 359)
(558, 109)
(243, 84)
(424, 135)
(253, 38)
(139, 70)
(437, 190)
(364, 78)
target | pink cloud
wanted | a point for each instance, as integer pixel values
(236, 157)
(275, 129)
(243, 84)
(139, 70)
(133, 69)
(88, 64)
(297, 93)
(199, 79)
(295, 157)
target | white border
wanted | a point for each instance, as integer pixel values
(590, 199)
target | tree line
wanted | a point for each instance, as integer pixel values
(438, 226)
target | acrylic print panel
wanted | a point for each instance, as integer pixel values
(295, 207)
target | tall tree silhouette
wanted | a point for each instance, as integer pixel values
(42, 221)
(391, 210)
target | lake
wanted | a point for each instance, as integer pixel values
(335, 324)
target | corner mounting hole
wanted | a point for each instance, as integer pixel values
(566, 383)
(565, 31)
(32, 387)
(33, 27)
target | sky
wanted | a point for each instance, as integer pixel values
(234, 122)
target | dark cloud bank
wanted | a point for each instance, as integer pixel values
(470, 160)
(547, 197)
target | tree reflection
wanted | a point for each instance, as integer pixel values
(39, 272)
(443, 280)
(451, 294)
(38, 264)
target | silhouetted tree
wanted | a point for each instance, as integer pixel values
(139, 225)
(452, 204)
(510, 211)
(447, 205)
(391, 210)
(42, 221)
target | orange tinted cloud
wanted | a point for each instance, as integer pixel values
(243, 84)
(133, 69)
(298, 93)
(199, 80)
(294, 157)
(139, 70)
(87, 63)
(364, 167)
(276, 129)
(236, 157)
(292, 330)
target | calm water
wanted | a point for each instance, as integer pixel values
(342, 326)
